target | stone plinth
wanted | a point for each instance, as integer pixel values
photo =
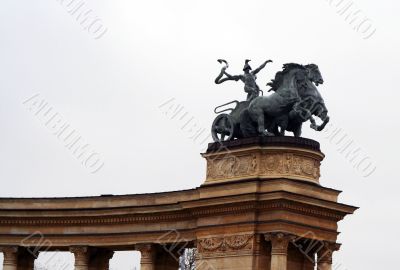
(263, 158)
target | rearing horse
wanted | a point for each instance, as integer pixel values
(295, 99)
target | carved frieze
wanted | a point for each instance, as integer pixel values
(289, 164)
(263, 164)
(232, 166)
(233, 243)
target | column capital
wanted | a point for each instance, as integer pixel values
(279, 241)
(325, 253)
(9, 249)
(10, 255)
(78, 249)
(147, 251)
(81, 255)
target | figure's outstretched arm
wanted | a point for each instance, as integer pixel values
(261, 67)
(228, 77)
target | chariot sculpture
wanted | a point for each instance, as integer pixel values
(295, 100)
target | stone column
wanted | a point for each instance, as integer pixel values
(18, 258)
(308, 264)
(10, 258)
(148, 256)
(324, 255)
(81, 255)
(279, 249)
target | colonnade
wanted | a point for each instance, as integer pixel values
(281, 249)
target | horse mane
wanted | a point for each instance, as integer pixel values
(277, 82)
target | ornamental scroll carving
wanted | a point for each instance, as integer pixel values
(226, 244)
(263, 164)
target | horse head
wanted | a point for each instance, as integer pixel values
(314, 74)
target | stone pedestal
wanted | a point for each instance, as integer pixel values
(292, 226)
(263, 158)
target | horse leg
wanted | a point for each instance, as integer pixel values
(279, 125)
(297, 131)
(261, 124)
(284, 125)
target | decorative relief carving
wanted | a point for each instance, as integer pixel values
(289, 164)
(263, 164)
(225, 244)
(238, 242)
(211, 244)
(232, 166)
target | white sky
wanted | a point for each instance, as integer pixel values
(110, 90)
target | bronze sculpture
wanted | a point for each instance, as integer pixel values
(294, 101)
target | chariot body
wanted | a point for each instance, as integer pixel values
(226, 126)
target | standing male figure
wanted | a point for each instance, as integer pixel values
(248, 78)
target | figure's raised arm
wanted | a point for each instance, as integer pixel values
(261, 67)
(223, 72)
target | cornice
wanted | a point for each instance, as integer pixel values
(184, 214)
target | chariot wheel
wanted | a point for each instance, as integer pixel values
(222, 128)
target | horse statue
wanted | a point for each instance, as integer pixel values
(295, 100)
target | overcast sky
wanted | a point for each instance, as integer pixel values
(107, 83)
